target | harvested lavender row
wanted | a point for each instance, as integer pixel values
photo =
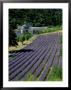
(14, 55)
(48, 65)
(39, 61)
(19, 64)
(17, 59)
(28, 66)
(23, 56)
(27, 49)
(36, 58)
(24, 66)
(22, 61)
(39, 69)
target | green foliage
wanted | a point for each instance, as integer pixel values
(30, 77)
(61, 47)
(56, 74)
(24, 36)
(12, 35)
(27, 35)
(61, 40)
(17, 38)
(21, 38)
(61, 52)
(12, 38)
(50, 29)
(36, 17)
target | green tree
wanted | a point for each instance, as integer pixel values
(12, 38)
(12, 35)
(21, 38)
(37, 17)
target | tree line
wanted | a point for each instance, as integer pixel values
(35, 17)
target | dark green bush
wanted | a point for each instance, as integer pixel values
(23, 37)
(17, 38)
(56, 74)
(50, 29)
(27, 35)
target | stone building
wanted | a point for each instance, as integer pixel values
(28, 28)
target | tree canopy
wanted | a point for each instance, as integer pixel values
(35, 17)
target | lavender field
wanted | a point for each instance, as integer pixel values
(37, 58)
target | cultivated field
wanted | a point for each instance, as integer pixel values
(37, 58)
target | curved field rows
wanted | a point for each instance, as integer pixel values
(37, 58)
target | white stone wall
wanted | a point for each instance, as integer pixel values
(31, 29)
(37, 28)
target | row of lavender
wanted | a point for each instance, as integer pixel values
(37, 58)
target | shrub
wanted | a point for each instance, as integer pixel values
(17, 38)
(27, 35)
(31, 77)
(23, 37)
(50, 29)
(56, 74)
